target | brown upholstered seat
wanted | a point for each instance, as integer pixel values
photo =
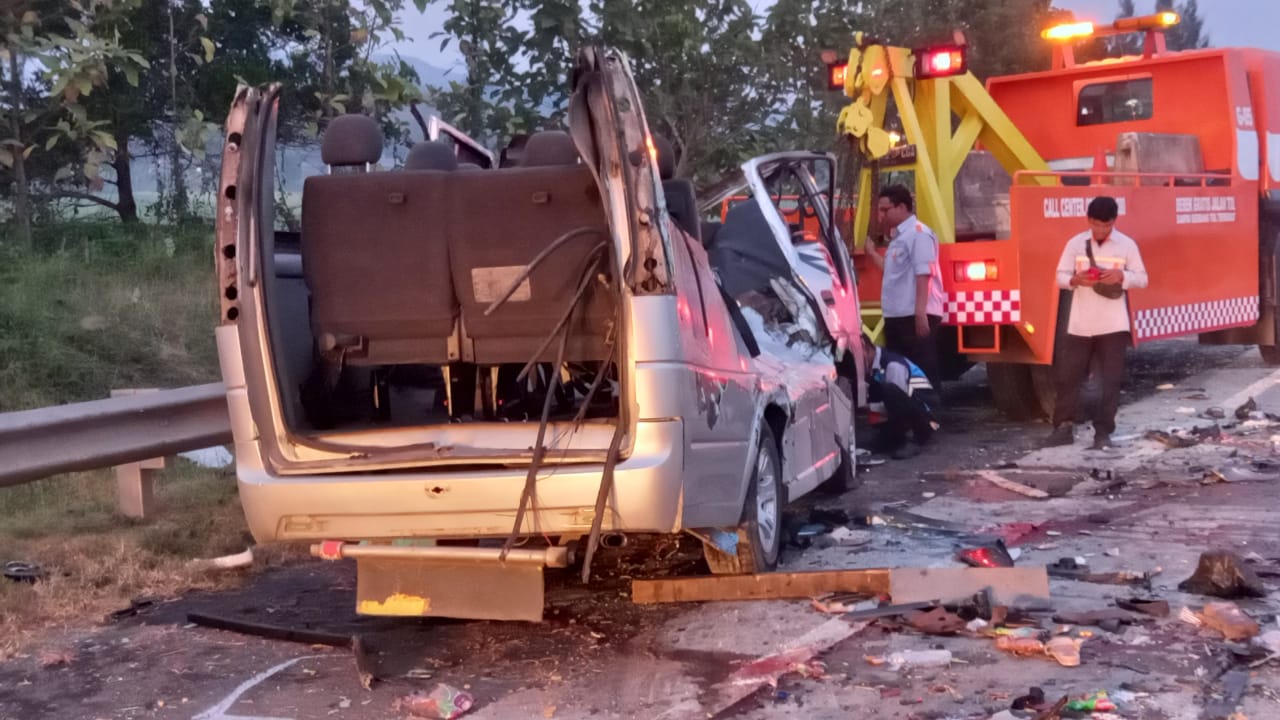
(376, 261)
(500, 222)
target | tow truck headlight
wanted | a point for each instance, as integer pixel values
(941, 62)
(977, 271)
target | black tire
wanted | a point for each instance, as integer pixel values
(760, 534)
(1014, 390)
(1270, 355)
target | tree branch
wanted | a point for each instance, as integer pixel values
(78, 195)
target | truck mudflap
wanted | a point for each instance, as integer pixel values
(455, 582)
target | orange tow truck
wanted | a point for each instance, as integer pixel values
(1188, 143)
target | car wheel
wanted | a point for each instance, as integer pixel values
(760, 535)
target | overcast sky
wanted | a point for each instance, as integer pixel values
(1231, 23)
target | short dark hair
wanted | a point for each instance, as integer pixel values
(1104, 209)
(899, 195)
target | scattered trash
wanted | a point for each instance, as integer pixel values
(936, 621)
(845, 537)
(1005, 483)
(1065, 650)
(226, 562)
(1173, 440)
(987, 556)
(1222, 573)
(977, 625)
(929, 495)
(1097, 702)
(1165, 386)
(1109, 619)
(1214, 413)
(1244, 410)
(1207, 432)
(767, 670)
(1237, 473)
(1154, 608)
(1186, 410)
(445, 702)
(1077, 569)
(1025, 646)
(914, 659)
(1188, 616)
(1230, 620)
(1113, 552)
(27, 572)
(872, 613)
(1033, 699)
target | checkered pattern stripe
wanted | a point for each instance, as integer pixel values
(984, 307)
(1196, 317)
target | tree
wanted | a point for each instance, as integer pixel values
(53, 63)
(1189, 34)
(698, 67)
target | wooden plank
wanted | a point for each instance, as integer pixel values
(766, 586)
(1001, 481)
(1016, 586)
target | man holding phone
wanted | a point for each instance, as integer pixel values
(1098, 266)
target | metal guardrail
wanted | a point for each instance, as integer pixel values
(35, 444)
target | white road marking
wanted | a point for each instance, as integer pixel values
(219, 711)
(1252, 391)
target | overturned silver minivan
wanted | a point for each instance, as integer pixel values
(460, 375)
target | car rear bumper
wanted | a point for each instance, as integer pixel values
(470, 503)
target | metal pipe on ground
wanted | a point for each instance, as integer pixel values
(36, 444)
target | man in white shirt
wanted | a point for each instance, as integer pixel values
(1099, 266)
(911, 295)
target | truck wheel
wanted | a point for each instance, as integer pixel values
(1014, 390)
(1270, 355)
(760, 535)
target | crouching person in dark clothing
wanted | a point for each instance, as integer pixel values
(901, 392)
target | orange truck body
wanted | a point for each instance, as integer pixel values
(1200, 234)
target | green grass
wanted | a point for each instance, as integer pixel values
(99, 306)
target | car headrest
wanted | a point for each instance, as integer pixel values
(434, 155)
(666, 157)
(551, 147)
(351, 140)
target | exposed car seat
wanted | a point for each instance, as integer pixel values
(682, 204)
(431, 155)
(502, 221)
(351, 142)
(375, 257)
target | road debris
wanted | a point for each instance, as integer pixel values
(935, 621)
(1154, 608)
(769, 669)
(1096, 702)
(1228, 619)
(27, 572)
(1222, 573)
(1005, 483)
(913, 659)
(1066, 650)
(1242, 412)
(988, 556)
(1174, 439)
(445, 702)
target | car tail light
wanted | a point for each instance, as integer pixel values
(977, 271)
(941, 62)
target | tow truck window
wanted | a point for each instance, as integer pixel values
(1114, 102)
